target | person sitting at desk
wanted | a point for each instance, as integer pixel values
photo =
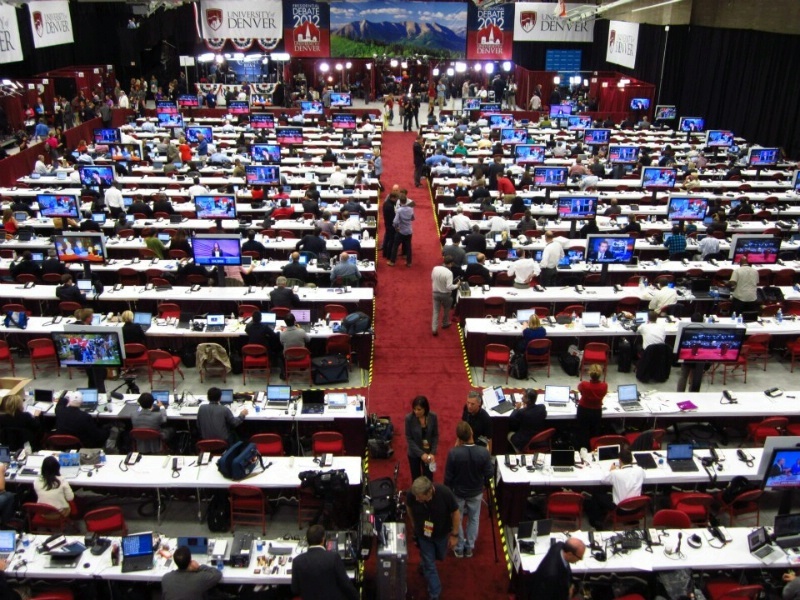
(196, 189)
(262, 334)
(500, 224)
(523, 271)
(632, 226)
(533, 331)
(294, 269)
(613, 208)
(590, 406)
(153, 243)
(478, 269)
(20, 427)
(324, 224)
(292, 336)
(349, 242)
(676, 244)
(345, 271)
(51, 264)
(53, 490)
(338, 178)
(526, 421)
(139, 206)
(217, 157)
(162, 204)
(744, 283)
(189, 267)
(652, 332)
(734, 171)
(310, 205)
(312, 242)
(626, 480)
(662, 298)
(132, 333)
(40, 167)
(283, 296)
(354, 207)
(253, 245)
(319, 572)
(708, 247)
(71, 420)
(10, 225)
(216, 422)
(590, 227)
(459, 221)
(456, 253)
(151, 415)
(191, 581)
(463, 169)
(26, 266)
(475, 241)
(68, 291)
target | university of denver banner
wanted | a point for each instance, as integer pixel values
(50, 23)
(538, 22)
(490, 32)
(10, 50)
(307, 28)
(623, 39)
(241, 19)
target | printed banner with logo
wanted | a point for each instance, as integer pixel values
(51, 23)
(490, 32)
(307, 29)
(241, 19)
(540, 22)
(623, 39)
(10, 50)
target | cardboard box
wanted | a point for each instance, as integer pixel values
(13, 385)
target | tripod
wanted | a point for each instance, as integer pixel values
(129, 379)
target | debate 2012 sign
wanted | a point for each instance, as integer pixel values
(51, 23)
(307, 29)
(490, 32)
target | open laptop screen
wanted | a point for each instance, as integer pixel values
(8, 542)
(89, 396)
(679, 451)
(140, 544)
(142, 318)
(279, 393)
(556, 393)
(627, 393)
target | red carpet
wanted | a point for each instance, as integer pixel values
(408, 361)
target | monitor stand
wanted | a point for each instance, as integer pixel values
(785, 506)
(573, 228)
(87, 270)
(758, 172)
(604, 274)
(654, 197)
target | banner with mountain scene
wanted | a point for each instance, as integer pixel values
(360, 29)
(490, 32)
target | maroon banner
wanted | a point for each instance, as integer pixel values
(490, 32)
(307, 29)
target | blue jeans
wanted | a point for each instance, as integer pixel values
(472, 506)
(431, 550)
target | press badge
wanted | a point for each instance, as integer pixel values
(428, 529)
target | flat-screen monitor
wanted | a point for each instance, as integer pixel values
(763, 157)
(659, 178)
(490, 107)
(610, 249)
(239, 107)
(666, 112)
(560, 110)
(262, 121)
(166, 106)
(266, 153)
(783, 472)
(758, 249)
(188, 101)
(341, 99)
(623, 155)
(312, 108)
(289, 135)
(58, 205)
(94, 175)
(343, 121)
(80, 247)
(550, 176)
(260, 100)
(106, 136)
(529, 154)
(796, 181)
(514, 136)
(126, 152)
(215, 206)
(577, 207)
(169, 120)
(262, 174)
(89, 347)
(692, 124)
(687, 208)
(470, 103)
(217, 249)
(191, 134)
(501, 121)
(579, 121)
(596, 137)
(707, 342)
(719, 138)
(640, 103)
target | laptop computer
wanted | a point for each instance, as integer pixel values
(556, 396)
(528, 530)
(137, 552)
(99, 218)
(165, 238)
(143, 319)
(84, 285)
(591, 319)
(215, 323)
(20, 216)
(523, 316)
(313, 402)
(8, 543)
(760, 547)
(43, 400)
(787, 530)
(226, 399)
(303, 317)
(37, 257)
(161, 396)
(562, 461)
(680, 458)
(503, 405)
(608, 452)
(269, 318)
(90, 400)
(70, 464)
(337, 400)
(67, 556)
(278, 396)
(628, 397)
(641, 317)
(700, 287)
(197, 545)
(645, 460)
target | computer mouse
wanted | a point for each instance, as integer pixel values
(86, 565)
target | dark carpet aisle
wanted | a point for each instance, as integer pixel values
(409, 360)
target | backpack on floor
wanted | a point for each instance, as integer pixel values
(518, 368)
(218, 515)
(570, 363)
(624, 356)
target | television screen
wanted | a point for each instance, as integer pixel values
(796, 181)
(783, 471)
(501, 121)
(94, 175)
(594, 137)
(763, 157)
(216, 249)
(77, 247)
(188, 101)
(289, 135)
(106, 136)
(658, 178)
(490, 107)
(577, 207)
(560, 110)
(89, 347)
(580, 122)
(269, 153)
(514, 136)
(705, 342)
(166, 107)
(343, 121)
(260, 100)
(611, 249)
(550, 176)
(215, 207)
(692, 124)
(312, 108)
(470, 103)
(191, 134)
(126, 152)
(262, 174)
(640, 103)
(719, 138)
(341, 99)
(665, 112)
(58, 205)
(529, 154)
(169, 120)
(623, 155)
(687, 208)
(759, 249)
(262, 121)
(239, 107)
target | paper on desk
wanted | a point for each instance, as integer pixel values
(657, 405)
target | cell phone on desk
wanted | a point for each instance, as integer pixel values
(552, 320)
(148, 287)
(154, 261)
(176, 464)
(118, 287)
(132, 458)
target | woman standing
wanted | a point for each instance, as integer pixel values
(422, 438)
(590, 406)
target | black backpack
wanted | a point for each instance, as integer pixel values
(570, 363)
(518, 369)
(219, 512)
(355, 322)
(738, 485)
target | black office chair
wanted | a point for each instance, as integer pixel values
(655, 363)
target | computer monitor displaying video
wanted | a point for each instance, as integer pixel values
(763, 157)
(501, 121)
(514, 136)
(470, 103)
(596, 137)
(719, 138)
(640, 103)
(78, 247)
(169, 120)
(215, 249)
(577, 207)
(239, 107)
(262, 121)
(758, 249)
(783, 472)
(623, 155)
(192, 132)
(687, 208)
(576, 122)
(692, 124)
(262, 174)
(289, 135)
(312, 108)
(188, 101)
(266, 153)
(343, 121)
(527, 154)
(215, 206)
(106, 136)
(550, 176)
(707, 342)
(659, 178)
(666, 112)
(96, 175)
(58, 205)
(610, 249)
(560, 110)
(89, 347)
(166, 107)
(341, 99)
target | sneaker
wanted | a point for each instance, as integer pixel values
(468, 552)
(458, 553)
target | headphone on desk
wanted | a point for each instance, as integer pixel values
(695, 541)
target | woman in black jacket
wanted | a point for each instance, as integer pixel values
(422, 438)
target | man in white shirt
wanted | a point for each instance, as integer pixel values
(662, 298)
(460, 221)
(40, 167)
(123, 100)
(367, 127)
(744, 282)
(443, 286)
(523, 270)
(552, 254)
(626, 480)
(338, 178)
(652, 332)
(708, 245)
(196, 189)
(113, 200)
(499, 224)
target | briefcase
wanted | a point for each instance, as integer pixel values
(330, 369)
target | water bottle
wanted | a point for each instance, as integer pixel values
(733, 316)
(614, 319)
(646, 282)
(574, 317)
(740, 319)
(641, 283)
(779, 316)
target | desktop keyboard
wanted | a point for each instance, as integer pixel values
(563, 469)
(215, 328)
(632, 407)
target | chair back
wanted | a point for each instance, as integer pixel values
(268, 444)
(147, 441)
(106, 521)
(62, 441)
(669, 518)
(327, 442)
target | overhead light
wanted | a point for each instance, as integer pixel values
(348, 65)
(219, 59)
(238, 56)
(252, 57)
(207, 57)
(477, 67)
(507, 66)
(656, 5)
(393, 63)
(6, 82)
(585, 83)
(419, 62)
(489, 68)
(404, 65)
(605, 84)
(339, 66)
(265, 60)
(461, 67)
(281, 56)
(324, 67)
(451, 72)
(436, 71)
(369, 66)
(557, 80)
(621, 84)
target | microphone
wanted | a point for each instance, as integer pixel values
(117, 396)
(680, 539)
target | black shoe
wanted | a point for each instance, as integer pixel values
(446, 326)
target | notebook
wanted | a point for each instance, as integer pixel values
(608, 452)
(503, 404)
(278, 396)
(591, 319)
(90, 399)
(8, 543)
(337, 400)
(143, 319)
(562, 461)
(137, 552)
(628, 397)
(645, 460)
(758, 543)
(43, 400)
(161, 396)
(215, 323)
(556, 396)
(313, 402)
(680, 458)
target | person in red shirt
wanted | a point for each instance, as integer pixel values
(9, 223)
(590, 406)
(185, 151)
(506, 187)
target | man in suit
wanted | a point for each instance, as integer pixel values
(282, 295)
(69, 292)
(526, 421)
(139, 206)
(603, 253)
(553, 578)
(320, 573)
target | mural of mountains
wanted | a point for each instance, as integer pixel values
(421, 35)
